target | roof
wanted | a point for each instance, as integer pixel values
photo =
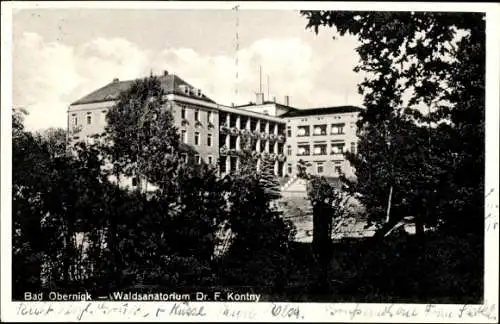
(170, 84)
(322, 111)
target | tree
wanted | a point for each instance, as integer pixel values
(415, 60)
(142, 140)
(268, 179)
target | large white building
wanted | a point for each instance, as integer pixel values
(318, 136)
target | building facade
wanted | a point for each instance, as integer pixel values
(215, 132)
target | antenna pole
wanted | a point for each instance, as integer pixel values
(237, 48)
(260, 78)
(268, 87)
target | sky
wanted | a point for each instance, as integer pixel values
(61, 55)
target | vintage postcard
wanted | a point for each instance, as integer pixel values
(250, 161)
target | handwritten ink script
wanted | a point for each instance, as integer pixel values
(194, 311)
(491, 219)
(409, 312)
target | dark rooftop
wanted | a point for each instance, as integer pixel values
(111, 91)
(322, 111)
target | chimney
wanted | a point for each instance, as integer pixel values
(115, 80)
(260, 98)
(165, 72)
(287, 100)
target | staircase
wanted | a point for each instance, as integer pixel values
(296, 187)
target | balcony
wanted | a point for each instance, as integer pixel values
(234, 131)
(273, 137)
(224, 129)
(246, 133)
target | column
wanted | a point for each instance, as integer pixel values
(257, 125)
(275, 147)
(258, 164)
(247, 126)
(266, 147)
(267, 127)
(238, 122)
(228, 164)
(227, 141)
(238, 163)
(227, 119)
(275, 168)
(238, 142)
(276, 129)
(258, 144)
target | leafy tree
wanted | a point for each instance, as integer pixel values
(415, 60)
(142, 140)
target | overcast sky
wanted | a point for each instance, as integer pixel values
(60, 55)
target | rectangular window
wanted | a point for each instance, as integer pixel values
(197, 115)
(210, 117)
(89, 119)
(183, 113)
(319, 149)
(197, 159)
(319, 167)
(134, 182)
(303, 150)
(289, 131)
(210, 159)
(338, 169)
(319, 130)
(184, 157)
(184, 136)
(289, 150)
(196, 138)
(209, 139)
(337, 129)
(353, 147)
(289, 167)
(103, 114)
(75, 120)
(337, 148)
(303, 131)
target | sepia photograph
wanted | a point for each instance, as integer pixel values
(226, 152)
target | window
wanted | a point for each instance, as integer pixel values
(319, 130)
(319, 149)
(337, 128)
(89, 119)
(338, 169)
(197, 115)
(210, 117)
(103, 114)
(75, 120)
(319, 167)
(196, 138)
(353, 147)
(134, 181)
(184, 136)
(184, 157)
(289, 167)
(197, 159)
(209, 140)
(183, 113)
(210, 159)
(289, 150)
(303, 131)
(338, 148)
(303, 150)
(289, 131)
